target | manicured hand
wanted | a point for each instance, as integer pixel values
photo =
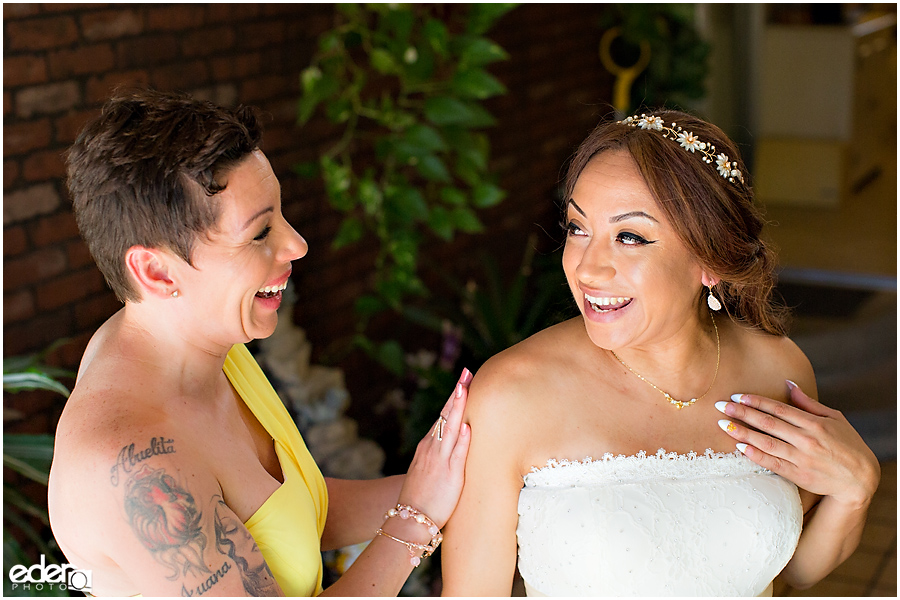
(435, 478)
(805, 442)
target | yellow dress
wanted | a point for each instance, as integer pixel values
(288, 526)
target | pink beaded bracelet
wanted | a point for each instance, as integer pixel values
(405, 511)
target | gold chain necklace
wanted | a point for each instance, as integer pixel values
(678, 403)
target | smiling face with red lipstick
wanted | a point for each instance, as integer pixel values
(634, 281)
(244, 262)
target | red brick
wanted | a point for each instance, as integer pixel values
(237, 67)
(14, 241)
(7, 103)
(40, 199)
(68, 289)
(265, 87)
(111, 24)
(19, 138)
(35, 266)
(146, 50)
(230, 13)
(41, 34)
(18, 306)
(44, 165)
(19, 10)
(175, 18)
(257, 35)
(100, 88)
(78, 253)
(53, 229)
(70, 354)
(93, 311)
(181, 76)
(36, 334)
(82, 60)
(24, 70)
(69, 126)
(47, 98)
(10, 173)
(210, 41)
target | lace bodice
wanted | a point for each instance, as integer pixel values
(656, 525)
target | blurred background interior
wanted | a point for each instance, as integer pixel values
(363, 361)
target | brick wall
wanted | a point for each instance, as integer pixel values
(62, 60)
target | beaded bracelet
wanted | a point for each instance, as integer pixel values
(404, 511)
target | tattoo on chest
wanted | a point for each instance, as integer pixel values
(166, 520)
(129, 458)
(231, 537)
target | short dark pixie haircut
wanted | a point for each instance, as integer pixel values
(136, 172)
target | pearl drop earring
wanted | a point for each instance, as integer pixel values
(712, 301)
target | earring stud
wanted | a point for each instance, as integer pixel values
(175, 294)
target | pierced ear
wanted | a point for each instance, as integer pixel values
(149, 268)
(708, 280)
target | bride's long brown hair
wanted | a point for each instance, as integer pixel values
(715, 219)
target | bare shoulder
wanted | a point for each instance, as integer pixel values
(776, 357)
(511, 380)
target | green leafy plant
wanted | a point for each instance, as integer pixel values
(405, 83)
(678, 66)
(488, 313)
(30, 456)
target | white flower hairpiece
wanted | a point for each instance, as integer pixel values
(725, 166)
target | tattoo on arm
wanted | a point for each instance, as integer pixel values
(255, 574)
(128, 458)
(165, 518)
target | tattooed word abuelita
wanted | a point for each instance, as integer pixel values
(128, 458)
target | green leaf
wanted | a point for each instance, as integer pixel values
(482, 16)
(17, 382)
(441, 222)
(453, 196)
(465, 220)
(309, 77)
(399, 22)
(408, 203)
(438, 37)
(425, 137)
(370, 195)
(433, 168)
(476, 83)
(369, 305)
(338, 180)
(339, 110)
(476, 51)
(485, 195)
(350, 231)
(445, 110)
(306, 106)
(307, 170)
(383, 62)
(348, 9)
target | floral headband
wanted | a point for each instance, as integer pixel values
(688, 141)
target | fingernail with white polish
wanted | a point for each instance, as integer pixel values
(720, 406)
(739, 398)
(726, 425)
(742, 448)
(791, 384)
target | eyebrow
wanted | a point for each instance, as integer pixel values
(249, 222)
(631, 215)
(617, 218)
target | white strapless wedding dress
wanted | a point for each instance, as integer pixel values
(659, 525)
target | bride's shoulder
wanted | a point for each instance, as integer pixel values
(772, 352)
(513, 378)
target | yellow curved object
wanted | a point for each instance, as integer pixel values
(625, 75)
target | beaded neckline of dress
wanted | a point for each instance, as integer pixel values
(612, 467)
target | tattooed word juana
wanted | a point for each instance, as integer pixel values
(206, 585)
(128, 458)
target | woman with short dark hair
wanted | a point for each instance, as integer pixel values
(177, 470)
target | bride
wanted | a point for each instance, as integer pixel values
(595, 446)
